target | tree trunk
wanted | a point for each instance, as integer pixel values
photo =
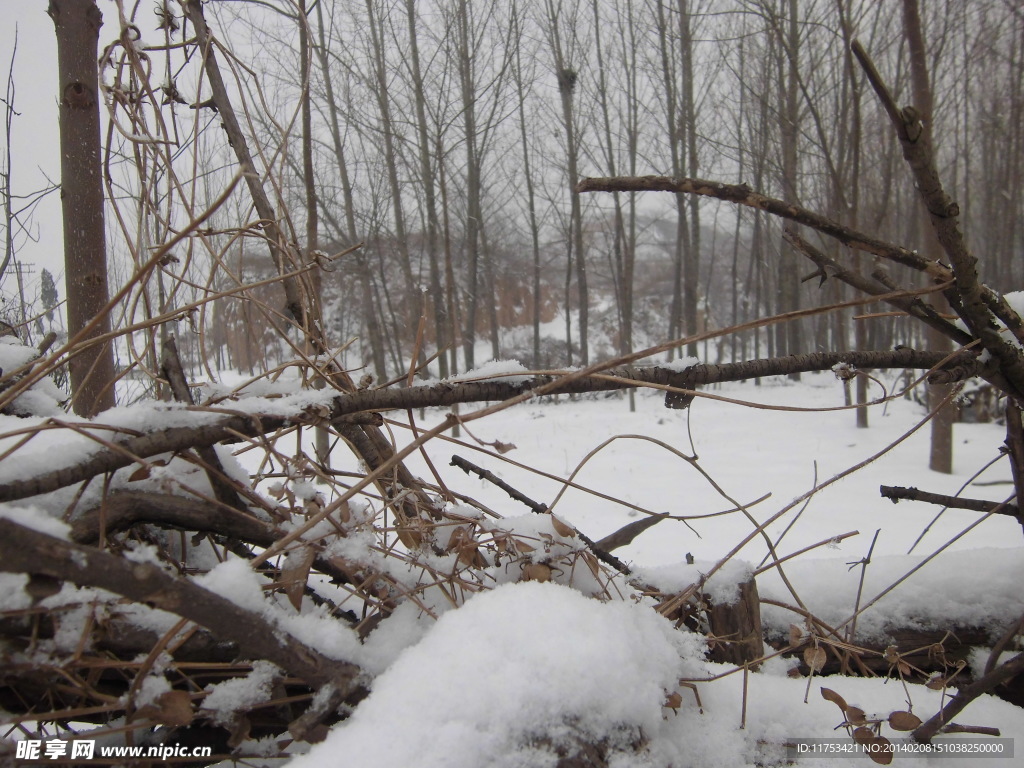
(788, 335)
(691, 253)
(363, 272)
(429, 198)
(566, 77)
(941, 454)
(531, 205)
(77, 23)
(474, 209)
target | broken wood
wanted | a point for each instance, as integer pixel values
(736, 634)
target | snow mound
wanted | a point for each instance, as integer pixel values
(973, 588)
(512, 674)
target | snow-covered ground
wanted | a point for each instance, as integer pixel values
(764, 447)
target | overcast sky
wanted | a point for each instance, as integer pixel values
(35, 136)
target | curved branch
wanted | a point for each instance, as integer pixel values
(120, 511)
(741, 194)
(912, 305)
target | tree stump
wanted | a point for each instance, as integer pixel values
(736, 628)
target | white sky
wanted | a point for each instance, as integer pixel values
(35, 135)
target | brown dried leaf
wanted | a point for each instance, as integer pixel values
(240, 728)
(793, 672)
(815, 658)
(295, 573)
(522, 546)
(673, 700)
(540, 572)
(903, 668)
(936, 682)
(903, 721)
(411, 538)
(864, 735)
(456, 540)
(592, 564)
(562, 529)
(501, 447)
(829, 695)
(891, 654)
(172, 708)
(882, 750)
(316, 734)
(318, 411)
(142, 473)
(855, 716)
(796, 635)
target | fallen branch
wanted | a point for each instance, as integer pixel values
(23, 550)
(899, 493)
(124, 509)
(1001, 674)
(226, 428)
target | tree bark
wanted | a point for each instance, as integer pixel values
(77, 24)
(940, 457)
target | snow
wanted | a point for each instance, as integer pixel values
(512, 668)
(934, 597)
(14, 354)
(224, 701)
(44, 397)
(36, 519)
(234, 580)
(505, 370)
(153, 686)
(680, 364)
(528, 668)
(1016, 301)
(722, 587)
